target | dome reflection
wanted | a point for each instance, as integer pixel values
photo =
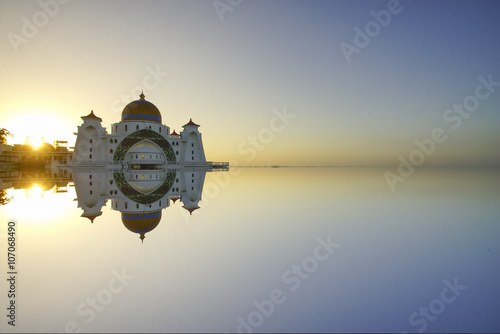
(139, 194)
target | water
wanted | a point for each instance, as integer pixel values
(269, 250)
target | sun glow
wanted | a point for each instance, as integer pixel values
(38, 204)
(36, 142)
(35, 191)
(37, 127)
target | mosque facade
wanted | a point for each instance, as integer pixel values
(139, 140)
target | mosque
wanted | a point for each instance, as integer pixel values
(140, 166)
(139, 140)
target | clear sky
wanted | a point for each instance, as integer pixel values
(233, 68)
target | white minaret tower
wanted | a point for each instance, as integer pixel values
(88, 147)
(193, 147)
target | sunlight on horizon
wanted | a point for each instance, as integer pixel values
(38, 127)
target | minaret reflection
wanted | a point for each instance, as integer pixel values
(139, 194)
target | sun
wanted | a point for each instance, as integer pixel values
(42, 127)
(36, 142)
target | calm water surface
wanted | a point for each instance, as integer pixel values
(269, 250)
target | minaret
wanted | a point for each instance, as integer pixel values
(194, 152)
(88, 146)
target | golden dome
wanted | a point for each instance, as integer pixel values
(141, 110)
(141, 223)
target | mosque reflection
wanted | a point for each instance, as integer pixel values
(140, 195)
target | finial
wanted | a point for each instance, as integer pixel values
(142, 237)
(142, 96)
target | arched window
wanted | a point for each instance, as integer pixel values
(126, 127)
(137, 127)
(177, 152)
(116, 141)
(159, 129)
(111, 151)
(192, 144)
(126, 205)
(137, 205)
(110, 181)
(111, 192)
(111, 141)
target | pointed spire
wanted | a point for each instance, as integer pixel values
(91, 115)
(142, 96)
(190, 123)
(91, 217)
(191, 210)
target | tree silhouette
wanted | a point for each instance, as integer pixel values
(4, 133)
(3, 197)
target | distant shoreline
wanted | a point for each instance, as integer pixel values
(359, 166)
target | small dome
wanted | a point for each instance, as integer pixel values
(141, 110)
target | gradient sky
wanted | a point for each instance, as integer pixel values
(229, 75)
